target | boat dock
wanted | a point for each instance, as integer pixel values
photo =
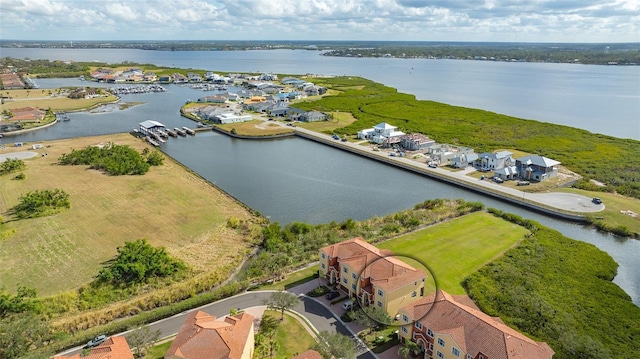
(180, 131)
(188, 130)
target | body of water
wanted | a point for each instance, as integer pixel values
(600, 99)
(294, 179)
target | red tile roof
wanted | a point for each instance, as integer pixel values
(385, 271)
(202, 336)
(475, 331)
(309, 354)
(112, 348)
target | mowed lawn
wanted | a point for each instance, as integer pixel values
(169, 206)
(292, 336)
(454, 249)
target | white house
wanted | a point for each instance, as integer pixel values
(382, 134)
(225, 118)
(494, 161)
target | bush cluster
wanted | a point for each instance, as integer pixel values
(11, 165)
(41, 203)
(113, 159)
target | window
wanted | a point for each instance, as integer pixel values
(380, 293)
(353, 275)
(324, 266)
(344, 280)
(441, 342)
(345, 269)
(323, 256)
(353, 286)
(380, 304)
(440, 355)
(430, 332)
(431, 346)
(405, 318)
(412, 294)
(468, 356)
(455, 352)
(419, 325)
(404, 330)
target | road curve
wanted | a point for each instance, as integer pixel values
(321, 317)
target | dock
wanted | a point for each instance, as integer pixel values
(188, 130)
(180, 131)
(171, 133)
(152, 141)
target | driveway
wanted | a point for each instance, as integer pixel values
(18, 155)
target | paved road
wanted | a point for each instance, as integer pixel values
(316, 313)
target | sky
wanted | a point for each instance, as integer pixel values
(599, 21)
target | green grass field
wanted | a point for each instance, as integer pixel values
(455, 249)
(291, 335)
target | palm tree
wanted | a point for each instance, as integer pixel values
(409, 347)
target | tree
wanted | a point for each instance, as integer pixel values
(41, 203)
(409, 347)
(142, 339)
(335, 346)
(21, 333)
(138, 262)
(281, 301)
(11, 165)
(23, 301)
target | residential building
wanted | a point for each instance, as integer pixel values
(463, 161)
(27, 114)
(312, 116)
(452, 327)
(536, 168)
(416, 142)
(228, 117)
(371, 275)
(494, 161)
(383, 134)
(11, 81)
(202, 336)
(112, 348)
(214, 99)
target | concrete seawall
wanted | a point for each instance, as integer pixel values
(423, 170)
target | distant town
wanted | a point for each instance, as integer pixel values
(592, 53)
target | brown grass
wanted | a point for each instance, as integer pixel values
(170, 206)
(257, 128)
(42, 99)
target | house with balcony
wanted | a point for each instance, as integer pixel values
(383, 134)
(371, 275)
(489, 161)
(536, 167)
(453, 327)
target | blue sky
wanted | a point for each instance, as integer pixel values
(408, 20)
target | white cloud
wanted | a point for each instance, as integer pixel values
(434, 20)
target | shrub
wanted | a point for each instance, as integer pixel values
(137, 262)
(41, 203)
(11, 165)
(20, 176)
(113, 159)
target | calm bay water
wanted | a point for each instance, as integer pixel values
(600, 99)
(298, 180)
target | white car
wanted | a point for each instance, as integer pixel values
(348, 305)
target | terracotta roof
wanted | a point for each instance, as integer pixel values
(309, 354)
(385, 271)
(202, 336)
(475, 331)
(112, 348)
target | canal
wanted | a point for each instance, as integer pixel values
(293, 179)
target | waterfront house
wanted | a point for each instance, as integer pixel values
(193, 77)
(464, 160)
(179, 78)
(453, 327)
(213, 99)
(493, 161)
(149, 77)
(371, 275)
(165, 79)
(536, 168)
(27, 114)
(229, 117)
(115, 347)
(506, 173)
(383, 134)
(312, 116)
(202, 336)
(416, 142)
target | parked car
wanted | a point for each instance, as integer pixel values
(348, 305)
(333, 295)
(523, 183)
(596, 200)
(498, 180)
(95, 341)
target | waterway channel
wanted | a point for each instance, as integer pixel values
(293, 179)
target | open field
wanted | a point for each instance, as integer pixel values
(483, 237)
(619, 210)
(48, 98)
(339, 120)
(169, 206)
(256, 128)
